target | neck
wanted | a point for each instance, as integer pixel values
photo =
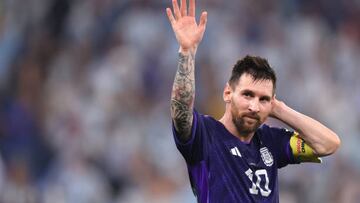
(226, 120)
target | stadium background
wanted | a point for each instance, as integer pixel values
(85, 88)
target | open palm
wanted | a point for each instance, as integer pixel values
(188, 33)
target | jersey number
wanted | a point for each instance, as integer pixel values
(264, 191)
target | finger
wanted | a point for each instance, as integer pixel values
(176, 9)
(192, 8)
(203, 20)
(170, 16)
(183, 8)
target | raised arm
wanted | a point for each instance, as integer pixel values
(321, 139)
(188, 34)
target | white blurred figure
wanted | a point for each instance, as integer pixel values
(74, 180)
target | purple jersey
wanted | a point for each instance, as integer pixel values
(224, 169)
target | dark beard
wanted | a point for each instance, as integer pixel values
(239, 123)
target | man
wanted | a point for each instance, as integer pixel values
(236, 158)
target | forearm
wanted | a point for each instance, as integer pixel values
(183, 95)
(320, 138)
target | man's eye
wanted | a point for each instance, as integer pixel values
(264, 99)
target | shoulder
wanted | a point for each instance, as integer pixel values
(210, 125)
(206, 119)
(268, 133)
(266, 129)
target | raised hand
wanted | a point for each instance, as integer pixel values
(188, 33)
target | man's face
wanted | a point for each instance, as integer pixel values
(250, 103)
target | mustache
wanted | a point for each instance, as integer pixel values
(252, 115)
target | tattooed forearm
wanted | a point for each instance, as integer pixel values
(183, 95)
(182, 117)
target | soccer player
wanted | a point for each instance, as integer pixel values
(236, 158)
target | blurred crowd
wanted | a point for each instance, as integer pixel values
(85, 88)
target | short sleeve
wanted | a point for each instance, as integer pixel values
(280, 141)
(194, 150)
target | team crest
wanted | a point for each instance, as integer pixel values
(266, 156)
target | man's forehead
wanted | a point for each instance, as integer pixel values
(248, 82)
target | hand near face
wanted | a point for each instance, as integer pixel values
(276, 108)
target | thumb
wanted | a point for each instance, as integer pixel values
(203, 20)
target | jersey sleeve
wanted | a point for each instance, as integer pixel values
(194, 149)
(280, 144)
(289, 148)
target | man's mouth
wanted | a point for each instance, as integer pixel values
(253, 117)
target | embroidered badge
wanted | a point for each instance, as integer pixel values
(266, 156)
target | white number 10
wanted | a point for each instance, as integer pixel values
(265, 191)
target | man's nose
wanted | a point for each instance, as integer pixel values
(254, 105)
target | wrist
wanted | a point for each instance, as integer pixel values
(187, 51)
(278, 108)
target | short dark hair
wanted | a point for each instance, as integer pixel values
(256, 66)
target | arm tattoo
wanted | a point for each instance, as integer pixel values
(183, 95)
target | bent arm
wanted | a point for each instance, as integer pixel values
(183, 95)
(321, 139)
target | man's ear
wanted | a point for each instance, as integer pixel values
(227, 94)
